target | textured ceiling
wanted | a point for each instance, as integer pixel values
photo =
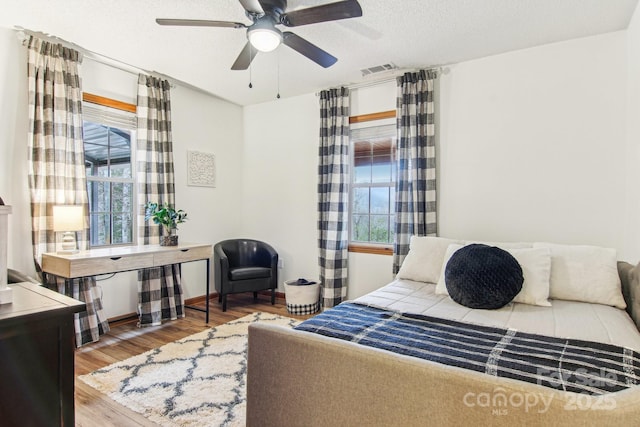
(407, 33)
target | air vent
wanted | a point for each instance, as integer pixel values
(378, 69)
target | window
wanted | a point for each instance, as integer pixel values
(372, 190)
(109, 148)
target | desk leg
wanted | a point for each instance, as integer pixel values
(207, 295)
(206, 301)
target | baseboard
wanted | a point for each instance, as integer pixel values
(189, 301)
(123, 318)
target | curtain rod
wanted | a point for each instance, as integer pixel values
(23, 33)
(442, 69)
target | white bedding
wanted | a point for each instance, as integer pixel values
(564, 319)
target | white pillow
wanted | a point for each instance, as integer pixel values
(584, 273)
(503, 245)
(536, 269)
(424, 261)
(441, 286)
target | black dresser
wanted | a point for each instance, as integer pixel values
(37, 348)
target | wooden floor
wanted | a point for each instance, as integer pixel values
(125, 340)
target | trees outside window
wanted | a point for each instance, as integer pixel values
(372, 192)
(109, 138)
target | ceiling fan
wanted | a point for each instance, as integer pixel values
(264, 36)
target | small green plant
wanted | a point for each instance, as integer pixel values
(164, 215)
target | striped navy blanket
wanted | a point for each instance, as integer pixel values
(564, 364)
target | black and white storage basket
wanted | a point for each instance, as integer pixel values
(302, 299)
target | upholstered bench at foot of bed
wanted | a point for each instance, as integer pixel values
(296, 378)
(300, 379)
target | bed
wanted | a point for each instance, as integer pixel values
(580, 296)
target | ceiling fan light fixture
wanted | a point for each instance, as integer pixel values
(263, 36)
(264, 39)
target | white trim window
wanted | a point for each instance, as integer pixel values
(373, 176)
(109, 150)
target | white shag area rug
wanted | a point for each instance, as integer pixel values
(199, 380)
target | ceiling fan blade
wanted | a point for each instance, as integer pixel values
(252, 6)
(244, 59)
(308, 49)
(327, 12)
(200, 23)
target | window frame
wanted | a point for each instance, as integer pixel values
(129, 108)
(366, 247)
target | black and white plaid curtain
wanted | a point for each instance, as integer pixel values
(333, 195)
(415, 206)
(57, 173)
(159, 289)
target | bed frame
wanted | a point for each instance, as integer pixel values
(297, 378)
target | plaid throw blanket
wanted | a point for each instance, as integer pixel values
(564, 364)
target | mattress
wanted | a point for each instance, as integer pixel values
(564, 319)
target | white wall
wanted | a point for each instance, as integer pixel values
(532, 145)
(538, 144)
(373, 99)
(211, 125)
(631, 246)
(14, 188)
(200, 123)
(280, 185)
(280, 181)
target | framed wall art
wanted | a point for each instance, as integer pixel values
(201, 169)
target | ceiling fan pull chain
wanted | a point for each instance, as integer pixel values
(250, 77)
(278, 96)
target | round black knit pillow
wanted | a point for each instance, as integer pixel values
(481, 276)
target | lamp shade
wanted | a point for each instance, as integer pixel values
(68, 218)
(264, 39)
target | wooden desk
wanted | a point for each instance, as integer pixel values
(126, 258)
(37, 348)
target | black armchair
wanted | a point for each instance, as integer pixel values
(244, 265)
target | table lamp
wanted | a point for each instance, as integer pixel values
(68, 219)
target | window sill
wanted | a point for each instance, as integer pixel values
(371, 249)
